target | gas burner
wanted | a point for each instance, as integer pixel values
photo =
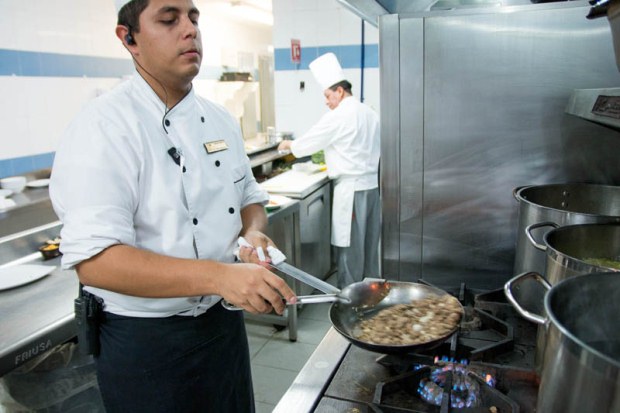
(486, 365)
(481, 335)
(452, 386)
(465, 385)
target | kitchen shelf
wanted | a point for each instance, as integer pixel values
(266, 156)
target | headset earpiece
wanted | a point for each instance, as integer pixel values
(129, 39)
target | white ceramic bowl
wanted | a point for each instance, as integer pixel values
(14, 183)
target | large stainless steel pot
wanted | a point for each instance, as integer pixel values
(568, 247)
(581, 371)
(562, 204)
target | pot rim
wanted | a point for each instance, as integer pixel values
(519, 190)
(552, 250)
(557, 324)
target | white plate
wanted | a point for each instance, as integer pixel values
(5, 192)
(11, 277)
(276, 201)
(38, 183)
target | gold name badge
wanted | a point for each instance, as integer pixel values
(216, 146)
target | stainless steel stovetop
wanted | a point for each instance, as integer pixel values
(488, 366)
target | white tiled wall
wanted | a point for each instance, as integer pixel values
(35, 110)
(316, 23)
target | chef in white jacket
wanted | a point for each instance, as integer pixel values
(153, 187)
(349, 136)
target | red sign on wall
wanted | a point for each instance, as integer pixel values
(295, 51)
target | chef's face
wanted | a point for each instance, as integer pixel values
(333, 97)
(169, 45)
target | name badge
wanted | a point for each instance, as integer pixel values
(216, 146)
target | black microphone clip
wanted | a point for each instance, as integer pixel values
(176, 156)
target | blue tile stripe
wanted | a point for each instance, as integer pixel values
(25, 164)
(350, 56)
(25, 63)
(40, 64)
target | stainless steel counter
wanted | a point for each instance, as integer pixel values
(32, 208)
(261, 152)
(305, 392)
(36, 317)
(313, 190)
(295, 184)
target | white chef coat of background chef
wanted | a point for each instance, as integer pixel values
(352, 149)
(113, 170)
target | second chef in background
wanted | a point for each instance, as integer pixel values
(349, 136)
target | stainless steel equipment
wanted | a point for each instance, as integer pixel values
(581, 369)
(561, 204)
(493, 342)
(346, 317)
(371, 10)
(570, 251)
(601, 105)
(580, 249)
(472, 106)
(314, 194)
(26, 333)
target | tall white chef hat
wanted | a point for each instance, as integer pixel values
(327, 70)
(120, 3)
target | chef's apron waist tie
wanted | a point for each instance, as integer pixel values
(362, 182)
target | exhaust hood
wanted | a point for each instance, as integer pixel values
(601, 106)
(370, 10)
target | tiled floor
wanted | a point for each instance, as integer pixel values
(276, 360)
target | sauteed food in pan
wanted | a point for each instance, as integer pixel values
(423, 320)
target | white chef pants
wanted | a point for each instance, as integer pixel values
(361, 258)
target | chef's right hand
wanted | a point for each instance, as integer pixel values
(285, 146)
(255, 289)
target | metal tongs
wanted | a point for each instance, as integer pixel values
(332, 293)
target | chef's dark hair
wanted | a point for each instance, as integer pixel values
(129, 16)
(343, 84)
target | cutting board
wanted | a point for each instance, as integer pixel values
(294, 183)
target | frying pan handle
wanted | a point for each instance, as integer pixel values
(301, 299)
(317, 299)
(508, 291)
(528, 232)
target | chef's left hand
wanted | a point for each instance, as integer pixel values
(285, 145)
(256, 239)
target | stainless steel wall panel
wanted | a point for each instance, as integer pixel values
(389, 35)
(495, 85)
(411, 154)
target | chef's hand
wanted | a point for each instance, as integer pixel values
(285, 145)
(255, 289)
(256, 239)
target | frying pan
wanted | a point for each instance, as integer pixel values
(346, 318)
(358, 302)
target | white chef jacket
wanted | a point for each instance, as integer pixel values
(350, 138)
(114, 182)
